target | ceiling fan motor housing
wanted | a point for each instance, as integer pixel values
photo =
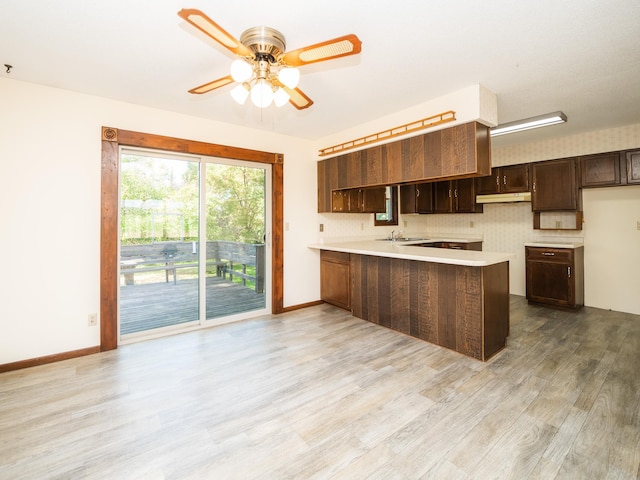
(266, 43)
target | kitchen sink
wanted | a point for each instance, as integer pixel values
(403, 239)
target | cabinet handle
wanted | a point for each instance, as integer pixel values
(498, 180)
(417, 192)
(455, 193)
(569, 271)
(534, 187)
(548, 254)
(504, 180)
(449, 193)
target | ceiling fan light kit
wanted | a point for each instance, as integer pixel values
(265, 71)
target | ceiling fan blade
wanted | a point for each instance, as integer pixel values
(338, 47)
(297, 98)
(207, 87)
(213, 30)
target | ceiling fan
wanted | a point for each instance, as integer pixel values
(265, 71)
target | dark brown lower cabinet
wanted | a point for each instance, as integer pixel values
(459, 307)
(477, 246)
(335, 278)
(555, 276)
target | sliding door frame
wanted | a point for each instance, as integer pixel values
(112, 140)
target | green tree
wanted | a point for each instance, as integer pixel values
(235, 203)
(159, 201)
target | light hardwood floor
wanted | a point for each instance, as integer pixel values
(317, 393)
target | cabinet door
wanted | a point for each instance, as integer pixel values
(339, 201)
(354, 167)
(489, 185)
(324, 192)
(373, 200)
(408, 198)
(549, 283)
(416, 198)
(464, 196)
(554, 186)
(514, 179)
(424, 198)
(372, 166)
(464, 149)
(335, 283)
(510, 179)
(633, 166)
(442, 197)
(354, 200)
(600, 170)
(550, 276)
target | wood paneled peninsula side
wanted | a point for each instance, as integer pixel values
(458, 299)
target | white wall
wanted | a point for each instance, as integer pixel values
(612, 242)
(612, 248)
(50, 209)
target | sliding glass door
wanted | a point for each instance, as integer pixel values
(193, 247)
(235, 236)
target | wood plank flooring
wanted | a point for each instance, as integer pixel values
(319, 394)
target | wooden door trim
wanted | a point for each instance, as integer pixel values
(112, 139)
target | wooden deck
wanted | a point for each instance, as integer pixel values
(153, 305)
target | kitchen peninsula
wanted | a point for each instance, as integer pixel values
(458, 299)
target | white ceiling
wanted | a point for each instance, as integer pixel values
(578, 56)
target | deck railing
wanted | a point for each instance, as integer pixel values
(229, 259)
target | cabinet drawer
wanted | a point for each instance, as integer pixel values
(335, 257)
(560, 255)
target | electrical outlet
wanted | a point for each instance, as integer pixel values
(93, 319)
(471, 224)
(404, 222)
(286, 226)
(638, 224)
(558, 224)
(361, 225)
(322, 227)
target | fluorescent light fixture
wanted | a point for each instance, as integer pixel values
(529, 123)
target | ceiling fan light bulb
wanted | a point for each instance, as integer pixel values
(262, 94)
(241, 71)
(240, 93)
(280, 97)
(289, 76)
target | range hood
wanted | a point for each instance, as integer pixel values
(504, 198)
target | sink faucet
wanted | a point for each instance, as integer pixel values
(391, 237)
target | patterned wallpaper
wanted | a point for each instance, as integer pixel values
(570, 146)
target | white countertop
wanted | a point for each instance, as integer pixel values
(553, 244)
(408, 251)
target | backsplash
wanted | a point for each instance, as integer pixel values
(502, 228)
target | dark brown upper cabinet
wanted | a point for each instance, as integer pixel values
(555, 186)
(633, 166)
(508, 179)
(602, 170)
(455, 152)
(359, 200)
(416, 198)
(455, 196)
